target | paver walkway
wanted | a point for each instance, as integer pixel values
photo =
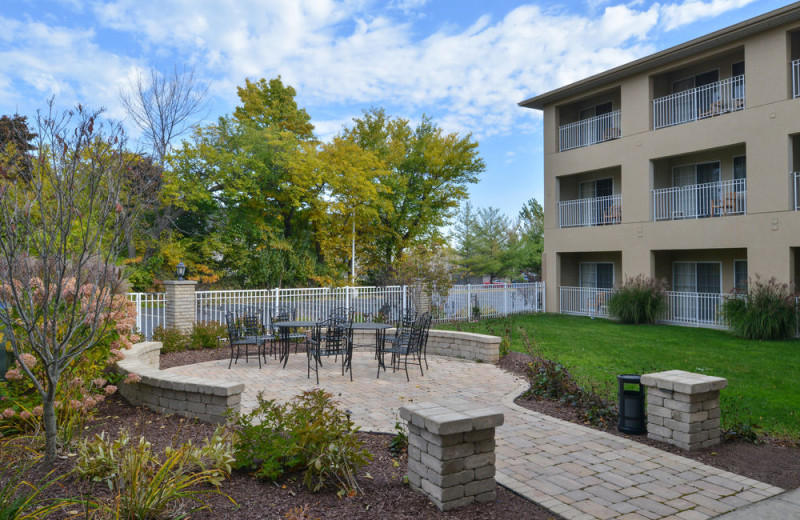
(574, 471)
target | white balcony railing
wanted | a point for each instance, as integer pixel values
(795, 78)
(585, 301)
(710, 100)
(796, 177)
(691, 308)
(682, 308)
(595, 211)
(712, 199)
(587, 132)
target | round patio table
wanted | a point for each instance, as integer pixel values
(380, 337)
(284, 329)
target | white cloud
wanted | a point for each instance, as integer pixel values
(48, 61)
(348, 53)
(689, 11)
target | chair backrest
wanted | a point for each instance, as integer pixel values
(235, 332)
(340, 315)
(330, 336)
(252, 322)
(408, 317)
(428, 319)
(417, 334)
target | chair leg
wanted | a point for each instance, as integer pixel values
(406, 367)
(231, 361)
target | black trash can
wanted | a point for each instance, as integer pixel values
(631, 405)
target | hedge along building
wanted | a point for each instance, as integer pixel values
(682, 165)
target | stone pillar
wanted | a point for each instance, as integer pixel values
(683, 408)
(180, 305)
(422, 299)
(451, 452)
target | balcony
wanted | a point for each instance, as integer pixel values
(795, 79)
(584, 301)
(587, 132)
(690, 105)
(712, 199)
(796, 176)
(595, 211)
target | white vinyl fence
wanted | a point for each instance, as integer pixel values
(150, 311)
(465, 302)
(585, 301)
(308, 303)
(462, 302)
(694, 309)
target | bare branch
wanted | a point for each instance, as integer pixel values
(162, 106)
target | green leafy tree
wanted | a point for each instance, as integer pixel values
(485, 246)
(429, 173)
(15, 148)
(529, 240)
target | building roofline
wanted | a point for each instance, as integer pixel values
(764, 22)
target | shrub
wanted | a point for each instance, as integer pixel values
(766, 312)
(149, 486)
(639, 300)
(203, 335)
(206, 335)
(172, 340)
(309, 434)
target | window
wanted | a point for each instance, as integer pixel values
(597, 275)
(700, 173)
(706, 78)
(697, 277)
(597, 110)
(597, 188)
(696, 198)
(740, 167)
(740, 276)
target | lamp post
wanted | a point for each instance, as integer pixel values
(180, 270)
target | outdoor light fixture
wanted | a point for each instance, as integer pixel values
(180, 270)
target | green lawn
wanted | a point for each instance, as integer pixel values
(763, 376)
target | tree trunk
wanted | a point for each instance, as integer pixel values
(50, 429)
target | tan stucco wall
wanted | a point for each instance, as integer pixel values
(644, 158)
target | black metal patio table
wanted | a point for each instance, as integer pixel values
(380, 337)
(285, 328)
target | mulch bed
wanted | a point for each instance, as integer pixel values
(773, 461)
(385, 496)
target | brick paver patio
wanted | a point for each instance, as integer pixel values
(574, 471)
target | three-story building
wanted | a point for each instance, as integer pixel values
(683, 165)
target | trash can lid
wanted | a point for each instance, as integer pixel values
(630, 378)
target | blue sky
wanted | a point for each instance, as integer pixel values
(466, 63)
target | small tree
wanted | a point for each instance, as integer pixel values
(58, 243)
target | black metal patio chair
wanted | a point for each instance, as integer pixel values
(330, 339)
(409, 346)
(244, 331)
